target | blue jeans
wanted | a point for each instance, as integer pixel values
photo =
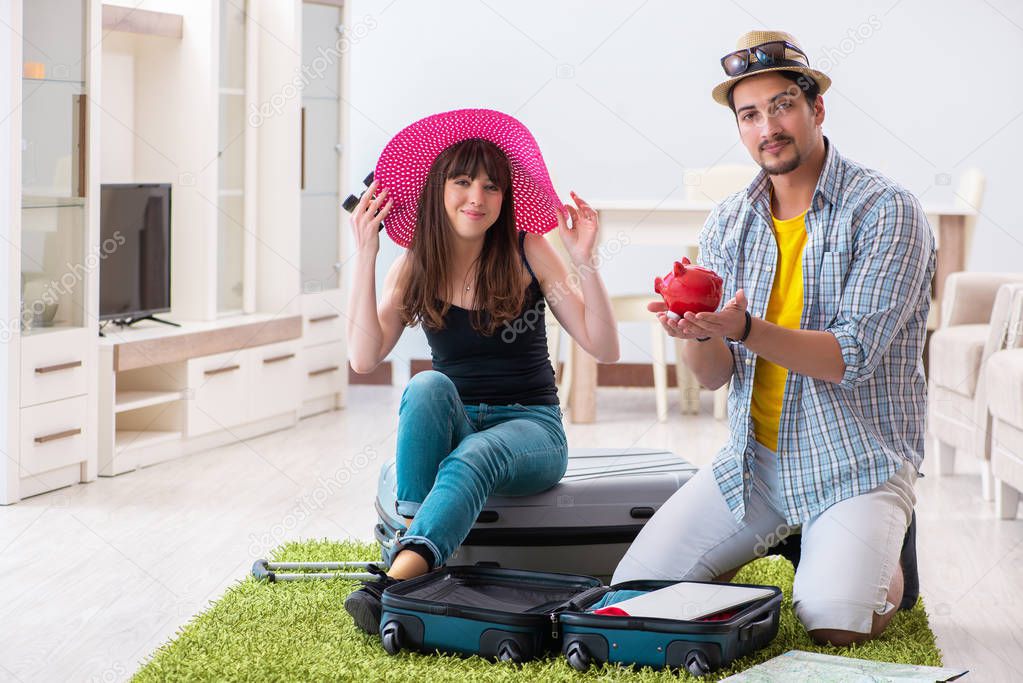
(451, 457)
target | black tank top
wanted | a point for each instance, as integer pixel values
(510, 366)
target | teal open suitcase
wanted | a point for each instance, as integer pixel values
(519, 615)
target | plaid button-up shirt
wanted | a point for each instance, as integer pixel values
(867, 269)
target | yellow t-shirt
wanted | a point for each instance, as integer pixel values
(784, 309)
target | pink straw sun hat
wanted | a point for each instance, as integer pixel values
(405, 164)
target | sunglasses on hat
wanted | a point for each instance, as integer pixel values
(739, 62)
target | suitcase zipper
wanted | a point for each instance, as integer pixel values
(574, 606)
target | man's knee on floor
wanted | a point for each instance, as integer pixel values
(837, 638)
(840, 623)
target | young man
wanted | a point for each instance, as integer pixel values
(831, 265)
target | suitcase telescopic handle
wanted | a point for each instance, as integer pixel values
(261, 571)
(264, 570)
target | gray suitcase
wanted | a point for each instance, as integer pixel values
(581, 526)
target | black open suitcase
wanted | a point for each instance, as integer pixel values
(519, 615)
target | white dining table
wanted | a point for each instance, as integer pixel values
(676, 224)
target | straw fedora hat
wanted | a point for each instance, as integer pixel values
(791, 58)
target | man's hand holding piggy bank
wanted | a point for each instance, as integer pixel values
(690, 296)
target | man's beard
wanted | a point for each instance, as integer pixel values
(779, 167)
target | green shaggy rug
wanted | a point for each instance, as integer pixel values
(299, 631)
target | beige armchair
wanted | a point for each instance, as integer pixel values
(969, 194)
(974, 317)
(1004, 378)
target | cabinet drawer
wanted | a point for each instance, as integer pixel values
(54, 365)
(325, 368)
(276, 379)
(321, 317)
(217, 392)
(54, 435)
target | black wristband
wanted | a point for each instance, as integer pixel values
(745, 332)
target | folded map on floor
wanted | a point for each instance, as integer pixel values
(799, 665)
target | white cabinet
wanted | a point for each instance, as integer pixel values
(323, 222)
(240, 387)
(55, 366)
(325, 370)
(216, 396)
(48, 223)
(178, 109)
(322, 215)
(276, 374)
(235, 142)
(165, 393)
(55, 435)
(173, 102)
(325, 352)
(321, 318)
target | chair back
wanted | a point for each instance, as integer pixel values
(1014, 333)
(970, 194)
(718, 181)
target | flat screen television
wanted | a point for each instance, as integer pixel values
(134, 272)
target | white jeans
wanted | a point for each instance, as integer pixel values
(848, 553)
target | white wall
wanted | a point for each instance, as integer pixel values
(617, 94)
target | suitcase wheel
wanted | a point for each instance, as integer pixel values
(509, 651)
(696, 663)
(390, 636)
(578, 656)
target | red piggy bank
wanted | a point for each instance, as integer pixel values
(689, 289)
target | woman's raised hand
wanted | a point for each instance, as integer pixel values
(368, 215)
(581, 238)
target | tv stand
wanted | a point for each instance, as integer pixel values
(168, 393)
(128, 322)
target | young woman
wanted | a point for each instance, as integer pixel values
(468, 194)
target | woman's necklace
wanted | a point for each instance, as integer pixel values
(467, 274)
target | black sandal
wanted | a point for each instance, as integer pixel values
(364, 603)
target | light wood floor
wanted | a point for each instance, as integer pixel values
(96, 576)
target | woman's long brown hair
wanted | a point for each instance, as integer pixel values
(426, 285)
